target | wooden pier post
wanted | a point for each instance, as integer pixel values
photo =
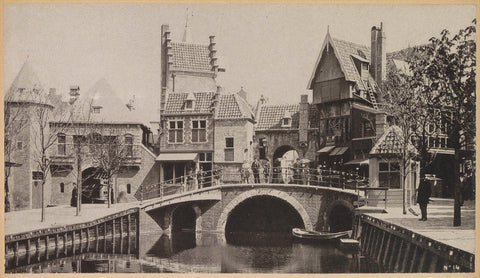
(381, 247)
(413, 262)
(113, 236)
(47, 239)
(406, 257)
(29, 249)
(65, 239)
(422, 260)
(400, 253)
(387, 249)
(392, 253)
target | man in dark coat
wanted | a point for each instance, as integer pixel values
(423, 197)
(73, 200)
(256, 170)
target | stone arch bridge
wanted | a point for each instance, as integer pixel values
(210, 209)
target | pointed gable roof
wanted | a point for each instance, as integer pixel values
(390, 143)
(191, 57)
(232, 107)
(112, 108)
(345, 52)
(26, 87)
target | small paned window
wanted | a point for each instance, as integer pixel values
(199, 131)
(62, 187)
(175, 132)
(229, 149)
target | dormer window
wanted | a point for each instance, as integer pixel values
(287, 119)
(96, 109)
(190, 102)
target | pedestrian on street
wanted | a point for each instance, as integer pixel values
(73, 200)
(256, 170)
(266, 170)
(423, 197)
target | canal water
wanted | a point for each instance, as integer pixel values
(186, 252)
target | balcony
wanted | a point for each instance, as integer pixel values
(65, 154)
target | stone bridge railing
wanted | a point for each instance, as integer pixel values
(276, 175)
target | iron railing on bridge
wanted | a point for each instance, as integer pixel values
(277, 175)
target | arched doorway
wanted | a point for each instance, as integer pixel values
(283, 157)
(262, 220)
(340, 218)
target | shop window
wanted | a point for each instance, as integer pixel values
(389, 174)
(229, 149)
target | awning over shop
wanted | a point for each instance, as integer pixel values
(177, 157)
(360, 161)
(325, 149)
(338, 151)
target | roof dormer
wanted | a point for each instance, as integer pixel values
(287, 119)
(190, 102)
(96, 109)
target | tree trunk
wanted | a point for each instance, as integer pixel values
(79, 183)
(109, 194)
(43, 199)
(457, 219)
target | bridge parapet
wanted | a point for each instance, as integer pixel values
(321, 178)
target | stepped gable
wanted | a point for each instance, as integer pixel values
(191, 57)
(176, 101)
(390, 143)
(27, 87)
(270, 116)
(233, 106)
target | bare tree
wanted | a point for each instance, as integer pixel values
(409, 109)
(42, 117)
(109, 151)
(15, 118)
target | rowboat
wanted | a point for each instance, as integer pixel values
(304, 234)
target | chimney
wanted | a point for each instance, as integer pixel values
(380, 124)
(378, 61)
(303, 120)
(74, 93)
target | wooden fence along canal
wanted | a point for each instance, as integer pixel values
(115, 234)
(401, 250)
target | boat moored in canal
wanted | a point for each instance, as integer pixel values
(319, 236)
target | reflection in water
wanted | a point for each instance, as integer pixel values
(247, 252)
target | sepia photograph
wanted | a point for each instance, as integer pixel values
(239, 138)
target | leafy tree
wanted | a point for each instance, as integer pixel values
(446, 71)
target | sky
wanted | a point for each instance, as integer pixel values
(270, 50)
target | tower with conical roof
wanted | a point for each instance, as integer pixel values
(25, 96)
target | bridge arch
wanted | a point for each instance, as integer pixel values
(339, 215)
(222, 221)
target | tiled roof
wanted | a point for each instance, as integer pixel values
(176, 101)
(391, 142)
(189, 56)
(233, 107)
(345, 52)
(26, 87)
(270, 116)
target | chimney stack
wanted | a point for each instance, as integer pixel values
(303, 120)
(378, 61)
